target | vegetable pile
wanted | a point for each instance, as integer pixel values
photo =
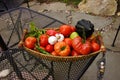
(63, 41)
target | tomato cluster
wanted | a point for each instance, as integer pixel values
(63, 42)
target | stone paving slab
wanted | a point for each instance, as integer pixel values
(112, 54)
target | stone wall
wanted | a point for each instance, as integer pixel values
(100, 7)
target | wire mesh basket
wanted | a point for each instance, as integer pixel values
(65, 67)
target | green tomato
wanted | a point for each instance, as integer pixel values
(74, 35)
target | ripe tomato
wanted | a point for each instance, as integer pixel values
(54, 53)
(65, 30)
(30, 42)
(76, 43)
(49, 48)
(85, 48)
(73, 28)
(95, 46)
(68, 41)
(62, 49)
(74, 53)
(43, 40)
(51, 32)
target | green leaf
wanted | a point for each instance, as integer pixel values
(32, 26)
(34, 31)
(41, 50)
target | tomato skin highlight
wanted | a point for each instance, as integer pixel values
(73, 28)
(86, 48)
(54, 53)
(76, 44)
(65, 30)
(74, 53)
(68, 41)
(62, 49)
(95, 46)
(49, 48)
(43, 40)
(30, 42)
(51, 32)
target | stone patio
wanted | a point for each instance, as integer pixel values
(108, 25)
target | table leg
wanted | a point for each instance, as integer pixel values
(27, 1)
(9, 57)
(14, 65)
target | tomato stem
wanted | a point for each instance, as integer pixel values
(84, 35)
(62, 48)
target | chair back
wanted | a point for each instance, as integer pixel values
(10, 4)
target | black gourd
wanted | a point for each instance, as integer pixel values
(84, 28)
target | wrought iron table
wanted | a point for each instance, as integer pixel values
(113, 43)
(49, 70)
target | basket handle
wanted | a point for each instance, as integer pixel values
(20, 45)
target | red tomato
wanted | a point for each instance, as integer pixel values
(65, 30)
(51, 32)
(54, 53)
(85, 48)
(68, 41)
(74, 53)
(49, 48)
(43, 40)
(30, 42)
(76, 43)
(73, 28)
(62, 49)
(95, 46)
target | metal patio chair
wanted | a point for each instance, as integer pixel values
(6, 54)
(10, 4)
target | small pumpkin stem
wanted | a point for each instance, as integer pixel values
(63, 48)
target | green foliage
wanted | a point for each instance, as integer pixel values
(72, 2)
(34, 31)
